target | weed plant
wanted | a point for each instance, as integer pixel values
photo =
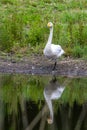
(23, 24)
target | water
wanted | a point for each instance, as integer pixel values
(43, 102)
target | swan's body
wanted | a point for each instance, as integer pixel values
(51, 92)
(51, 50)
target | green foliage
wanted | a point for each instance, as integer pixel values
(5, 39)
(85, 52)
(23, 23)
(8, 1)
(35, 35)
(77, 51)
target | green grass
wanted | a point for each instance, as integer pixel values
(23, 24)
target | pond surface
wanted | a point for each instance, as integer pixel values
(42, 102)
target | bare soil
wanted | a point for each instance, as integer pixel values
(40, 65)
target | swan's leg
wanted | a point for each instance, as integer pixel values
(54, 65)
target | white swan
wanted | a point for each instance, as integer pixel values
(51, 50)
(51, 92)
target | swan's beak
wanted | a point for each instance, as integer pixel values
(49, 121)
(48, 25)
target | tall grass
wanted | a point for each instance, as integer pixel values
(23, 24)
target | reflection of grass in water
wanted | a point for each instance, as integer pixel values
(15, 90)
(17, 87)
(75, 92)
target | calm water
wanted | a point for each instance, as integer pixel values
(42, 103)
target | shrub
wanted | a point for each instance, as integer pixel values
(77, 51)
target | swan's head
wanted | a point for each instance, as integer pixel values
(50, 118)
(50, 121)
(50, 25)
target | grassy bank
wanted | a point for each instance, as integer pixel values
(23, 26)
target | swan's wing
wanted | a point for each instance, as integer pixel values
(56, 49)
(57, 93)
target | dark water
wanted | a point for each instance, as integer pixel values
(42, 103)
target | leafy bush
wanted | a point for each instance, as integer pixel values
(11, 30)
(6, 41)
(77, 51)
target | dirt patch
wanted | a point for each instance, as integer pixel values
(40, 65)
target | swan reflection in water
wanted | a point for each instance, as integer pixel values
(52, 91)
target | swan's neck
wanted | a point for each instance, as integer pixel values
(49, 103)
(50, 36)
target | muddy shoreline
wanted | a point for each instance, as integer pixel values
(42, 66)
